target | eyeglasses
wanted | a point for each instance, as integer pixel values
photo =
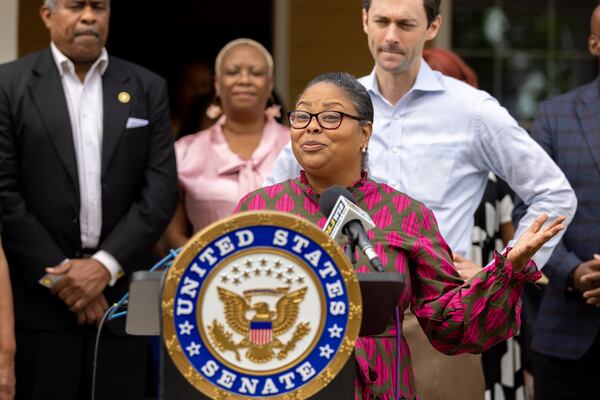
(325, 119)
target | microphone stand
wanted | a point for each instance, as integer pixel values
(350, 250)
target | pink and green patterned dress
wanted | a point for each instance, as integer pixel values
(457, 317)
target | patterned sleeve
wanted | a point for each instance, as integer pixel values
(460, 317)
(253, 201)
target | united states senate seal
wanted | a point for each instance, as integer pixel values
(260, 305)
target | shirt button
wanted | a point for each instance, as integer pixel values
(395, 149)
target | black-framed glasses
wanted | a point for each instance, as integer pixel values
(326, 119)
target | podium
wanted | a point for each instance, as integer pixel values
(380, 292)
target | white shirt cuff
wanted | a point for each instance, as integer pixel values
(111, 264)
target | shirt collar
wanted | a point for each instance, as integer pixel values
(230, 162)
(65, 65)
(356, 185)
(426, 81)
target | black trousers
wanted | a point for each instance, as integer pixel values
(558, 379)
(58, 365)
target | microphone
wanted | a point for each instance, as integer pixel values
(346, 221)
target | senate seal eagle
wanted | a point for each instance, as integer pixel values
(260, 332)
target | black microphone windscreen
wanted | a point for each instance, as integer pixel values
(330, 196)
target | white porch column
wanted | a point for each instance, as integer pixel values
(9, 19)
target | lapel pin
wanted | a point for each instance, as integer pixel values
(124, 97)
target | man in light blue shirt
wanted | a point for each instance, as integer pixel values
(436, 138)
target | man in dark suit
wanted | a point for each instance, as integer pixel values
(566, 336)
(88, 183)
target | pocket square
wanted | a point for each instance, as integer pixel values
(136, 122)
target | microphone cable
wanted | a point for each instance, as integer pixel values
(398, 355)
(162, 265)
(96, 346)
(113, 313)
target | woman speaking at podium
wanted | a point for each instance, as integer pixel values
(330, 131)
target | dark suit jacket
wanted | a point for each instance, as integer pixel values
(568, 128)
(39, 183)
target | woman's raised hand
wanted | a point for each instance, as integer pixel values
(533, 239)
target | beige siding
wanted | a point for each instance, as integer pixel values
(325, 35)
(33, 35)
(8, 30)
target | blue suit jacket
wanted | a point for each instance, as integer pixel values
(568, 128)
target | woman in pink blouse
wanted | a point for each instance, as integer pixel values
(218, 166)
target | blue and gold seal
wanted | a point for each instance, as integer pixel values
(260, 305)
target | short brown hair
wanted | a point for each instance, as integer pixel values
(432, 8)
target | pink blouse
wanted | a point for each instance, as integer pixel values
(213, 178)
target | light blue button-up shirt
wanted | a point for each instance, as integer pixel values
(438, 143)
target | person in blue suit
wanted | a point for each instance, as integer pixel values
(566, 336)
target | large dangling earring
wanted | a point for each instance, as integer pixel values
(214, 110)
(363, 149)
(273, 109)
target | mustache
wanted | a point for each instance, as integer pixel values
(391, 49)
(88, 32)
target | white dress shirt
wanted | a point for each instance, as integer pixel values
(84, 102)
(438, 144)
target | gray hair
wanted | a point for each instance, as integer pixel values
(354, 90)
(51, 4)
(244, 42)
